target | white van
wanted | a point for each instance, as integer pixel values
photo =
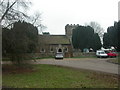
(101, 53)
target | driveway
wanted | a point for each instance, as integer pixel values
(96, 64)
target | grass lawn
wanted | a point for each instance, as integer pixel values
(8, 59)
(115, 60)
(5, 59)
(49, 76)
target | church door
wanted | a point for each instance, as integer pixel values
(59, 50)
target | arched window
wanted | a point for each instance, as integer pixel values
(66, 49)
(51, 49)
(42, 50)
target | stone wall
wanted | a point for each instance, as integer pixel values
(52, 55)
(78, 54)
(41, 55)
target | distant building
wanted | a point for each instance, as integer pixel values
(51, 44)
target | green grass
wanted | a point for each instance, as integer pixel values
(38, 58)
(48, 76)
(8, 59)
(116, 60)
(5, 59)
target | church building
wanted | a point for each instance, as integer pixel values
(49, 45)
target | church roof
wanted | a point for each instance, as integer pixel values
(53, 39)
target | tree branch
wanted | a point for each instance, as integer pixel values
(1, 2)
(7, 11)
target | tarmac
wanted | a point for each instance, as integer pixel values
(95, 64)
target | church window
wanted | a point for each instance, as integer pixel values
(51, 49)
(42, 50)
(66, 49)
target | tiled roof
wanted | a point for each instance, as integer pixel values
(53, 39)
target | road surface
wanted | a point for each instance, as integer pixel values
(96, 64)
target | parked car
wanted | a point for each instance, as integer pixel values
(101, 53)
(111, 53)
(59, 55)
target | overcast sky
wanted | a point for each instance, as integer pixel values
(57, 13)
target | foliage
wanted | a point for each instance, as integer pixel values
(118, 35)
(84, 37)
(105, 40)
(48, 76)
(21, 39)
(6, 35)
(96, 42)
(112, 37)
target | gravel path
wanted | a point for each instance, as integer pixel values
(96, 64)
(83, 63)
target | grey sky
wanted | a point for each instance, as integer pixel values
(57, 13)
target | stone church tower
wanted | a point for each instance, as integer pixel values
(69, 30)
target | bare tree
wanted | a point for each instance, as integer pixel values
(37, 21)
(97, 28)
(41, 28)
(12, 10)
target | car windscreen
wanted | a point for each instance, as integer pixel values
(59, 54)
(102, 52)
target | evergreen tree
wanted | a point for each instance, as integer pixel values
(112, 37)
(84, 37)
(23, 39)
(106, 42)
(118, 36)
(97, 43)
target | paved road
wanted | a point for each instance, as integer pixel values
(96, 64)
(86, 63)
